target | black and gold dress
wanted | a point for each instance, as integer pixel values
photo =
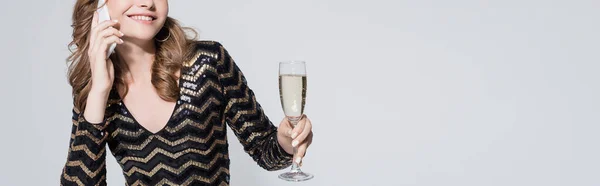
(192, 148)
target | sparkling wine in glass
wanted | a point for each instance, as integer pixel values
(292, 92)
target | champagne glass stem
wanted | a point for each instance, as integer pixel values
(295, 167)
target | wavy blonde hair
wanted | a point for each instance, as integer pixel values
(169, 56)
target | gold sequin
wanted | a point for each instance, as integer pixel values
(176, 170)
(172, 155)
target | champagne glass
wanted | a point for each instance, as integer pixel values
(292, 92)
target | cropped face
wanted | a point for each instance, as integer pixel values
(139, 19)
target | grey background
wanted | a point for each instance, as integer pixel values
(427, 93)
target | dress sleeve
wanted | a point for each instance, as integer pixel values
(246, 117)
(87, 152)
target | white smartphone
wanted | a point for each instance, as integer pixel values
(103, 16)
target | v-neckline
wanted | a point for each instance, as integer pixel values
(136, 122)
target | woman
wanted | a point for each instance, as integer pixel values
(161, 102)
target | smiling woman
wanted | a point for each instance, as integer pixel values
(162, 102)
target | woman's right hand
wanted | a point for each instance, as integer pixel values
(101, 36)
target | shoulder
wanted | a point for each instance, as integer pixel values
(209, 46)
(203, 50)
(209, 50)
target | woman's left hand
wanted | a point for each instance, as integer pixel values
(299, 136)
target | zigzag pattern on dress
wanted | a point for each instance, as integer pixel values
(192, 148)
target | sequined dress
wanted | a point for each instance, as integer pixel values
(192, 148)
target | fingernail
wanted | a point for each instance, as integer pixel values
(294, 135)
(294, 143)
(289, 132)
(298, 160)
(121, 33)
(116, 21)
(121, 40)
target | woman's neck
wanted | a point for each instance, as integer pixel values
(138, 55)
